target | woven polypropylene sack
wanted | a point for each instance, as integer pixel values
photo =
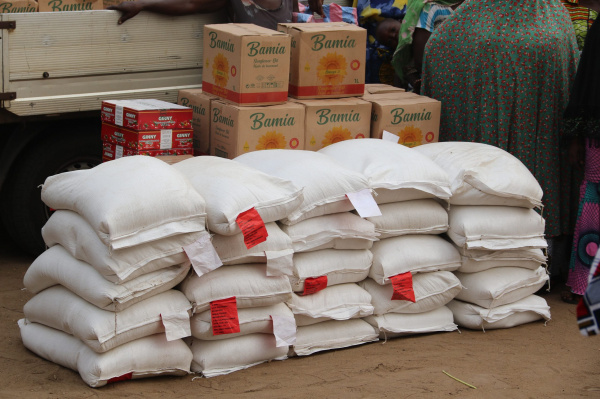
(482, 174)
(476, 260)
(325, 181)
(395, 172)
(230, 188)
(333, 334)
(56, 266)
(392, 325)
(151, 356)
(129, 201)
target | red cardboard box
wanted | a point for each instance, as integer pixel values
(146, 114)
(149, 139)
(112, 151)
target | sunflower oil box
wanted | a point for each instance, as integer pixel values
(328, 121)
(246, 64)
(413, 118)
(70, 5)
(236, 130)
(18, 6)
(199, 102)
(163, 139)
(111, 151)
(328, 59)
(381, 88)
(146, 114)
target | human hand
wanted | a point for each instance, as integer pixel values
(128, 9)
(316, 6)
(576, 150)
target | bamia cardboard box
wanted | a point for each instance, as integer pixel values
(381, 88)
(328, 121)
(112, 151)
(414, 119)
(164, 139)
(328, 59)
(70, 5)
(146, 114)
(246, 64)
(199, 102)
(10, 7)
(236, 130)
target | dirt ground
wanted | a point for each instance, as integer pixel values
(529, 361)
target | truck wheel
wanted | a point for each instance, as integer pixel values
(24, 213)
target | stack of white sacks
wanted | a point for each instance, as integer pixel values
(104, 302)
(500, 236)
(331, 250)
(236, 306)
(411, 278)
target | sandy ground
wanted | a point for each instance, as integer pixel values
(529, 361)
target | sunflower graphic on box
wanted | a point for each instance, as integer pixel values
(220, 70)
(410, 136)
(336, 134)
(271, 141)
(332, 69)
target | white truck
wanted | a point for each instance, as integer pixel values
(55, 69)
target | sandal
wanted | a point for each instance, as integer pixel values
(569, 297)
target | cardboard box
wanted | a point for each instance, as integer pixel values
(112, 151)
(236, 130)
(146, 114)
(246, 64)
(381, 88)
(16, 6)
(199, 102)
(164, 139)
(173, 159)
(328, 60)
(69, 5)
(414, 119)
(328, 121)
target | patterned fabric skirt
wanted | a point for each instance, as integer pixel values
(586, 238)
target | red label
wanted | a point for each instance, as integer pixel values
(303, 91)
(224, 316)
(252, 227)
(123, 377)
(314, 284)
(403, 287)
(258, 98)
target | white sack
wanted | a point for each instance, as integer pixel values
(102, 330)
(339, 265)
(343, 230)
(392, 325)
(482, 174)
(432, 290)
(325, 182)
(395, 172)
(249, 284)
(501, 285)
(129, 201)
(478, 260)
(425, 216)
(333, 334)
(213, 358)
(412, 253)
(230, 188)
(526, 310)
(56, 266)
(145, 357)
(75, 234)
(338, 302)
(251, 320)
(496, 227)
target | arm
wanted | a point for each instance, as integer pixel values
(130, 9)
(316, 6)
(420, 38)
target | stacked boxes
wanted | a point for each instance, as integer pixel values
(70, 5)
(145, 127)
(199, 102)
(18, 6)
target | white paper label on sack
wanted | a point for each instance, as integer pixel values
(177, 325)
(118, 151)
(387, 136)
(119, 115)
(166, 139)
(284, 329)
(364, 203)
(203, 255)
(280, 263)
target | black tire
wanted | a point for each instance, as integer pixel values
(24, 214)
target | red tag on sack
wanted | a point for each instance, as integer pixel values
(224, 316)
(314, 284)
(123, 377)
(403, 287)
(252, 227)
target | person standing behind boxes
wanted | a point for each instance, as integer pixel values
(265, 13)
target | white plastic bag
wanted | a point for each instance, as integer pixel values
(425, 216)
(392, 325)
